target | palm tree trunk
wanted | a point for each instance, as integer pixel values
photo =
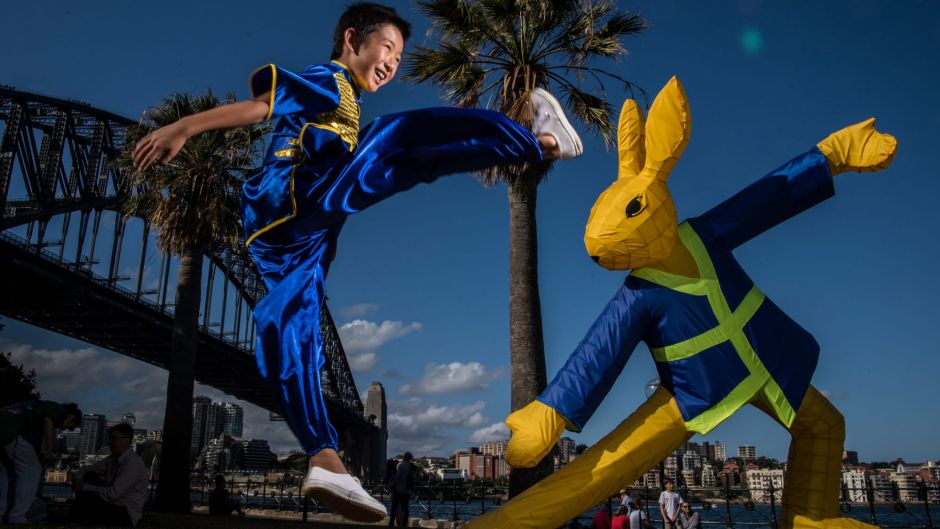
(175, 464)
(526, 348)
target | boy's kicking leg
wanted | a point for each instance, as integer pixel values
(398, 151)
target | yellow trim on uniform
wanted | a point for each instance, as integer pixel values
(730, 328)
(293, 200)
(251, 86)
(336, 131)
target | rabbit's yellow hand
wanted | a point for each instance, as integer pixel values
(859, 148)
(535, 430)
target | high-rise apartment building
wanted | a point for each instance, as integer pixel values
(494, 448)
(566, 449)
(721, 453)
(93, 430)
(201, 406)
(233, 419)
(747, 452)
(211, 419)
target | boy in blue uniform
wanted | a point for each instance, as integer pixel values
(318, 170)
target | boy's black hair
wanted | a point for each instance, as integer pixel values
(364, 18)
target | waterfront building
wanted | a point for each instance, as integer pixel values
(854, 482)
(760, 480)
(708, 477)
(906, 483)
(882, 487)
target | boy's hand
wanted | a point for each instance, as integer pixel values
(160, 146)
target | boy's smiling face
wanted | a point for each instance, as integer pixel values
(376, 62)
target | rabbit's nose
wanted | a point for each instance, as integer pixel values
(596, 258)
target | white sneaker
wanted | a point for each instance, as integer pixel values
(344, 494)
(549, 118)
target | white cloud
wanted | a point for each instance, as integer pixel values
(454, 377)
(64, 371)
(361, 361)
(359, 310)
(493, 432)
(361, 339)
(424, 429)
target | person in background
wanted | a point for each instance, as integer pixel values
(402, 487)
(219, 502)
(687, 518)
(669, 506)
(113, 490)
(20, 460)
(638, 518)
(601, 518)
(621, 519)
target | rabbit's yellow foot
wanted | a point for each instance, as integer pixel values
(802, 522)
(859, 148)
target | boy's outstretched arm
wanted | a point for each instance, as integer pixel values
(161, 145)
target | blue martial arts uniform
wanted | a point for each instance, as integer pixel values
(718, 342)
(317, 171)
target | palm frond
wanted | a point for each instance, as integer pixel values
(193, 202)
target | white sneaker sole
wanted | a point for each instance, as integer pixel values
(345, 504)
(545, 96)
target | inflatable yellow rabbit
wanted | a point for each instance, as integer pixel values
(718, 341)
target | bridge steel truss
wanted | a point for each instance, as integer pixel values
(60, 157)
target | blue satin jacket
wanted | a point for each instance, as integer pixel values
(771, 357)
(316, 125)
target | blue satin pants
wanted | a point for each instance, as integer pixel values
(395, 153)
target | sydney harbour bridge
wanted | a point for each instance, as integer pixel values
(70, 263)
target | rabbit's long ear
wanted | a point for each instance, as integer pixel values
(630, 133)
(667, 130)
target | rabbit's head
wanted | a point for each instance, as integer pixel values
(633, 222)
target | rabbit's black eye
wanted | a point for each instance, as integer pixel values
(635, 207)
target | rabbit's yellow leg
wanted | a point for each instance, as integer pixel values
(640, 442)
(859, 148)
(812, 484)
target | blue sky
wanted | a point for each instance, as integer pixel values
(420, 282)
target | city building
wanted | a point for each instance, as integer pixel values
(721, 454)
(709, 479)
(747, 452)
(256, 455)
(760, 480)
(211, 419)
(854, 482)
(906, 483)
(850, 457)
(376, 409)
(201, 405)
(233, 419)
(72, 441)
(498, 447)
(882, 487)
(92, 436)
(566, 450)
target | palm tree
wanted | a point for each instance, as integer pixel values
(193, 205)
(500, 50)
